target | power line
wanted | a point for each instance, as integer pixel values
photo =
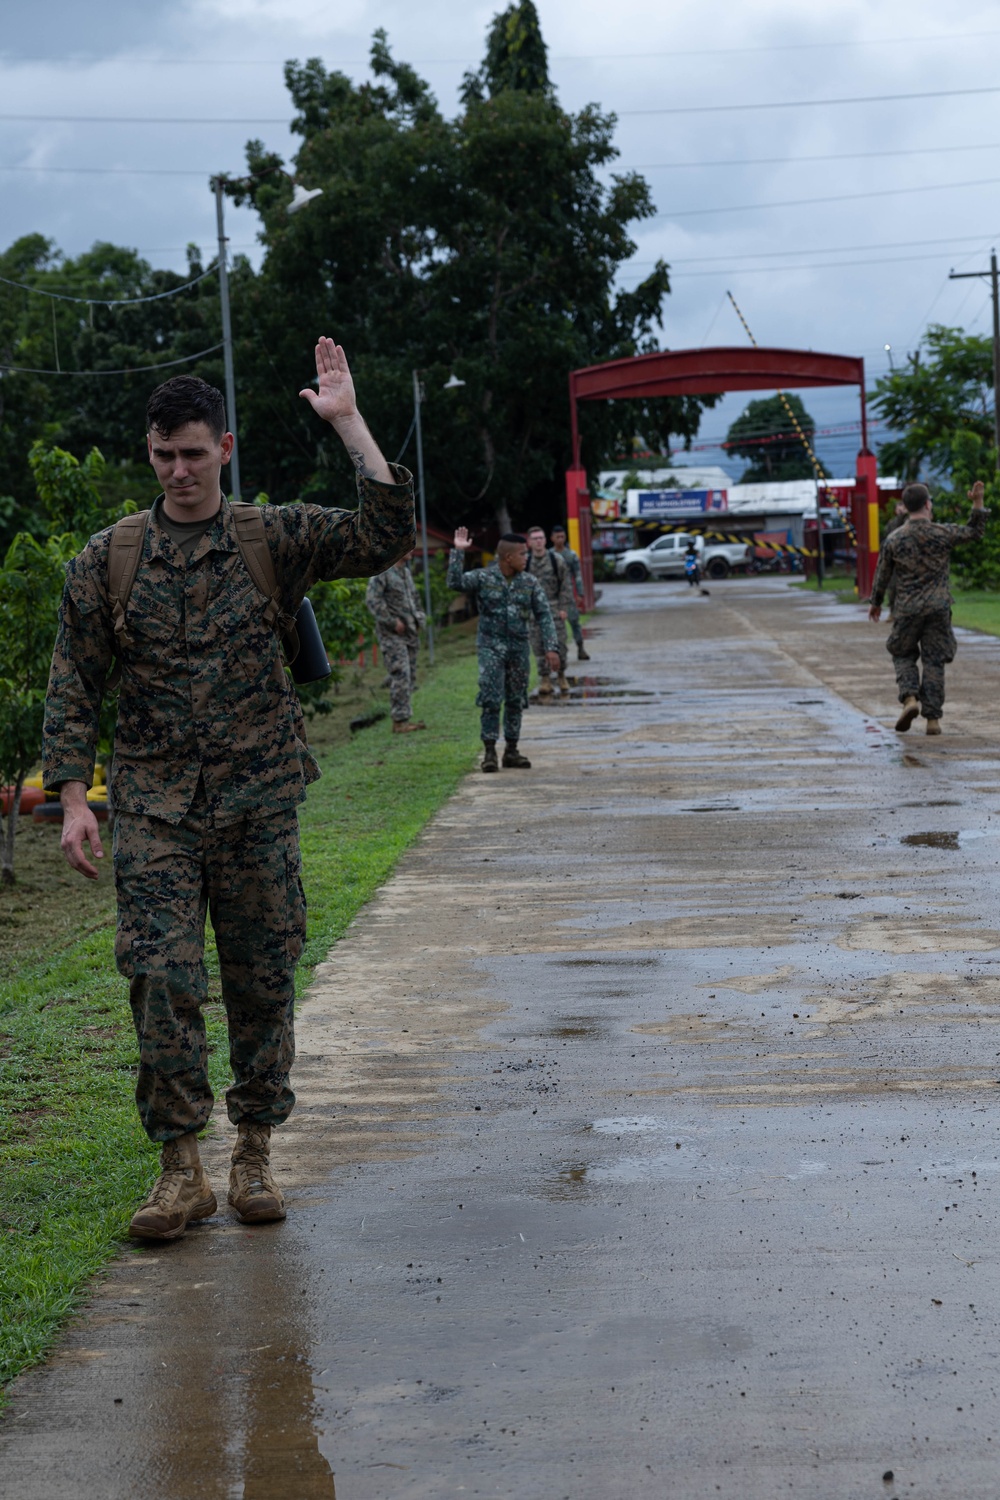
(933, 187)
(678, 109)
(108, 301)
(423, 62)
(703, 260)
(114, 171)
(791, 161)
(825, 265)
(129, 370)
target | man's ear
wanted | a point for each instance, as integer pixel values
(228, 443)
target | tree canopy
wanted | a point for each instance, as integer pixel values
(765, 434)
(944, 390)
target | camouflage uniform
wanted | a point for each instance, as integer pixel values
(554, 577)
(916, 558)
(507, 606)
(893, 524)
(391, 597)
(572, 562)
(209, 767)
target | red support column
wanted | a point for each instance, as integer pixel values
(577, 506)
(864, 514)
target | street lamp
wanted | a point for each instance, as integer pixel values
(451, 384)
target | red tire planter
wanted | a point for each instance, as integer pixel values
(31, 797)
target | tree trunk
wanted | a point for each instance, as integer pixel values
(7, 855)
(503, 518)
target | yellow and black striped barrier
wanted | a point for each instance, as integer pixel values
(727, 536)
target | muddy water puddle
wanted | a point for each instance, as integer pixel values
(944, 838)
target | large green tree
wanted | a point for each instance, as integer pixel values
(484, 246)
(765, 434)
(943, 390)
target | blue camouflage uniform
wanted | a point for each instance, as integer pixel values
(507, 608)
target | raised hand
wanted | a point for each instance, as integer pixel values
(335, 399)
(976, 493)
(462, 540)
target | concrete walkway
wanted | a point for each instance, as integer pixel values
(649, 1127)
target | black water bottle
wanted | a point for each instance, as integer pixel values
(311, 663)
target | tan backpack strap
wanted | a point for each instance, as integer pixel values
(124, 557)
(252, 539)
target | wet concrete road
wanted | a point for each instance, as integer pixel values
(649, 1133)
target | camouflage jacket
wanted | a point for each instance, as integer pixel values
(572, 562)
(392, 596)
(203, 686)
(506, 605)
(916, 558)
(554, 576)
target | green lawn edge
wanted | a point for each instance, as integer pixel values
(973, 609)
(73, 1158)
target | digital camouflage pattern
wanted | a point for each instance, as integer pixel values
(390, 597)
(554, 577)
(916, 558)
(247, 874)
(572, 562)
(929, 639)
(509, 608)
(204, 690)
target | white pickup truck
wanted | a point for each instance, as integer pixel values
(664, 558)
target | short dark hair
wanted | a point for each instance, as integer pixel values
(186, 398)
(513, 536)
(915, 497)
(560, 529)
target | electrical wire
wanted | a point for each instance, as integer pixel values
(109, 302)
(786, 161)
(673, 109)
(129, 370)
(933, 187)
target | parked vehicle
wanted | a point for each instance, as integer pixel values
(664, 558)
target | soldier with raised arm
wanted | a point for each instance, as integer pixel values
(510, 603)
(209, 768)
(915, 559)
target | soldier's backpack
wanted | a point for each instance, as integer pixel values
(125, 554)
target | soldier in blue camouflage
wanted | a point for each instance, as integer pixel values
(209, 767)
(572, 561)
(510, 602)
(915, 558)
(392, 602)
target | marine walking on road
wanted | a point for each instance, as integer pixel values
(210, 764)
(511, 605)
(915, 560)
(572, 561)
(553, 575)
(393, 604)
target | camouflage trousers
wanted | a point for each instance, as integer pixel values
(399, 652)
(247, 875)
(504, 670)
(573, 621)
(930, 640)
(538, 646)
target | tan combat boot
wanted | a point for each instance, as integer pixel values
(933, 726)
(253, 1191)
(911, 707)
(180, 1193)
(563, 683)
(407, 726)
(545, 686)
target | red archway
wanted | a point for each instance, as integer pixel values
(699, 372)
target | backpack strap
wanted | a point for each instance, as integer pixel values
(124, 556)
(256, 554)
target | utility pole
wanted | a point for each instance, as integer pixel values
(417, 398)
(992, 274)
(227, 338)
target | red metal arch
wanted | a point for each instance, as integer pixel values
(700, 372)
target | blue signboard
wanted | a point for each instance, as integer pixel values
(681, 502)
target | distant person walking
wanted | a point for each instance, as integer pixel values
(549, 569)
(916, 559)
(692, 568)
(393, 604)
(510, 602)
(572, 561)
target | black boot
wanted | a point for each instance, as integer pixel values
(490, 762)
(581, 653)
(513, 760)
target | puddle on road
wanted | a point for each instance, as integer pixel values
(724, 807)
(614, 962)
(579, 1028)
(943, 839)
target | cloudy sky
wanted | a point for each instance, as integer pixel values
(834, 224)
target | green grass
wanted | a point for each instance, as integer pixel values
(974, 609)
(73, 1159)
